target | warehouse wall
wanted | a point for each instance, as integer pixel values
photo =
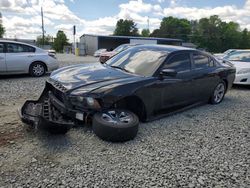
(88, 45)
(111, 43)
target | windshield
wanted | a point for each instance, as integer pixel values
(228, 51)
(238, 56)
(143, 61)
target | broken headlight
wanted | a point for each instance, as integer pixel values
(85, 102)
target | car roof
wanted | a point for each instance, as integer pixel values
(16, 42)
(169, 48)
(243, 50)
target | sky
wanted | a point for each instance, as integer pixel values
(22, 19)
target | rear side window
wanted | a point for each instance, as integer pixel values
(19, 48)
(202, 61)
(179, 63)
(1, 48)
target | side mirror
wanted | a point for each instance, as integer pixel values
(168, 72)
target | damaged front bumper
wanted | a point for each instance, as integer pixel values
(50, 113)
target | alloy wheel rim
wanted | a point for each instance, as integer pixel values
(38, 70)
(114, 116)
(219, 92)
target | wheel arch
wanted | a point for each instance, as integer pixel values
(134, 104)
(226, 82)
(46, 67)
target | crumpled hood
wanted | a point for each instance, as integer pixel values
(90, 76)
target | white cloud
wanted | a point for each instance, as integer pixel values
(136, 6)
(226, 13)
(26, 21)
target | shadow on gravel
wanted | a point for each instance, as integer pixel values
(20, 76)
(54, 143)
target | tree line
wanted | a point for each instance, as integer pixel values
(56, 43)
(211, 33)
(2, 30)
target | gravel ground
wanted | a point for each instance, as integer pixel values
(207, 146)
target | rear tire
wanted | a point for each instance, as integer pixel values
(37, 69)
(116, 125)
(218, 93)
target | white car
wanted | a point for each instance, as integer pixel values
(221, 55)
(99, 52)
(18, 58)
(241, 60)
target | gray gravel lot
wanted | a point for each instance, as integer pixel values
(207, 146)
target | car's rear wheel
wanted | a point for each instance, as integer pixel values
(37, 69)
(218, 93)
(115, 125)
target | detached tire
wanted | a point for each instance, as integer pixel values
(218, 93)
(116, 125)
(37, 69)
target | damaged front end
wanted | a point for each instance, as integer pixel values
(50, 112)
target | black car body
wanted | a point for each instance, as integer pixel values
(180, 77)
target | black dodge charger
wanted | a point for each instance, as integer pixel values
(139, 84)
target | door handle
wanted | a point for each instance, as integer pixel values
(30, 55)
(1, 57)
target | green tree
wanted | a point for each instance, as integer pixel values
(173, 28)
(230, 36)
(60, 41)
(145, 33)
(245, 39)
(126, 28)
(215, 35)
(47, 40)
(2, 31)
(207, 34)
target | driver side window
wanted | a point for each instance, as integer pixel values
(179, 62)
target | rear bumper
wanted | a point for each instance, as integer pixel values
(52, 65)
(243, 79)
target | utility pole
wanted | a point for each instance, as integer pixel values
(148, 23)
(42, 24)
(74, 34)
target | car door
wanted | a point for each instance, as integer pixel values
(18, 57)
(177, 91)
(2, 57)
(206, 76)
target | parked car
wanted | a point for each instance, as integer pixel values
(107, 55)
(221, 55)
(241, 60)
(99, 52)
(141, 83)
(18, 58)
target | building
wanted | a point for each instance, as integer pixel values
(90, 43)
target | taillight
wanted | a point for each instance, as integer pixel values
(52, 55)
